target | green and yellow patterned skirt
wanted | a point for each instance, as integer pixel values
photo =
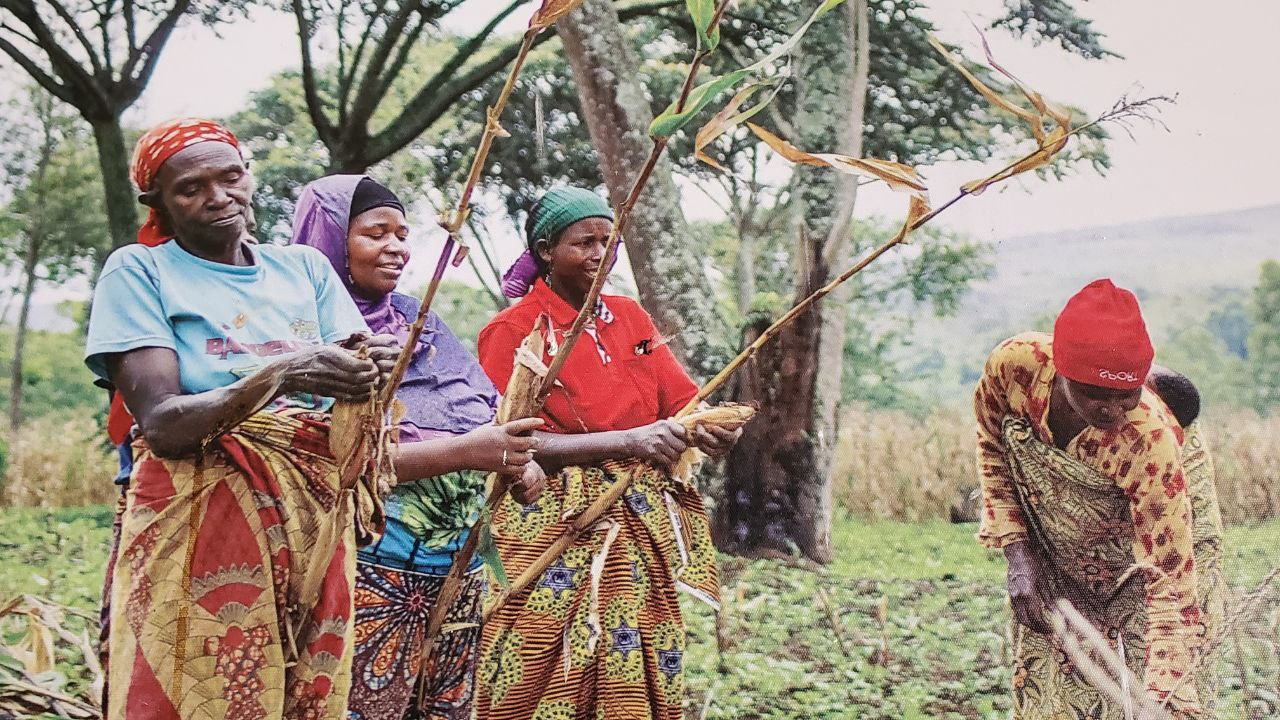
(1079, 521)
(600, 634)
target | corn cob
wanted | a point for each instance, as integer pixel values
(728, 416)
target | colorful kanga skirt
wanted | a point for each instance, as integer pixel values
(1079, 521)
(231, 596)
(600, 634)
(392, 609)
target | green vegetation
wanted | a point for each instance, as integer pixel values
(54, 377)
(942, 597)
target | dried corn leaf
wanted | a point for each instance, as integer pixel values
(521, 397)
(1057, 113)
(345, 423)
(35, 651)
(899, 177)
(1049, 143)
(1054, 142)
(917, 209)
(992, 96)
(551, 11)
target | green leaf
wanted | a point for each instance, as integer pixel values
(703, 12)
(666, 124)
(488, 550)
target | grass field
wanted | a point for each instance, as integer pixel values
(940, 651)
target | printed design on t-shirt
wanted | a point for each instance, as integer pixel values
(305, 332)
(250, 357)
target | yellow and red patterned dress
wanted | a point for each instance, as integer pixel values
(1129, 514)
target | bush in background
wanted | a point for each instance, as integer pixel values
(894, 466)
(58, 460)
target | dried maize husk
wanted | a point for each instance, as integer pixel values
(521, 397)
(727, 416)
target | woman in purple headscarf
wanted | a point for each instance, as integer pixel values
(447, 442)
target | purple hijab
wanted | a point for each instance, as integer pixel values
(444, 390)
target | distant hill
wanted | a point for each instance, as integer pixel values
(1177, 266)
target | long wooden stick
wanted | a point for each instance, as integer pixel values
(454, 222)
(715, 383)
(588, 517)
(452, 583)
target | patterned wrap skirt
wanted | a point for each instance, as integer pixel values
(392, 609)
(599, 635)
(231, 596)
(1080, 522)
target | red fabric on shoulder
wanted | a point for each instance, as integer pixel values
(118, 420)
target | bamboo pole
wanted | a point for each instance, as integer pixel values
(593, 513)
(454, 222)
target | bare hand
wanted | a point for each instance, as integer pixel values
(714, 440)
(1029, 591)
(331, 371)
(659, 443)
(505, 449)
(384, 350)
(529, 487)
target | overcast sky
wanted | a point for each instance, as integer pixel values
(1219, 153)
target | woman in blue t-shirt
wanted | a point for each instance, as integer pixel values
(447, 442)
(232, 592)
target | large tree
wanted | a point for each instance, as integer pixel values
(796, 380)
(98, 56)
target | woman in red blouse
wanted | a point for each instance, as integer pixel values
(600, 634)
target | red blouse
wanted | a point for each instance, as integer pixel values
(618, 377)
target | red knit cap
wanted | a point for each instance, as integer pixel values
(1101, 339)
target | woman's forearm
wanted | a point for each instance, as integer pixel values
(557, 450)
(428, 458)
(181, 425)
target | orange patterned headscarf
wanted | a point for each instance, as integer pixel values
(158, 145)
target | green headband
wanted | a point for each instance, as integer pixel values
(562, 207)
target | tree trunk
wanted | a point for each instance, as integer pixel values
(121, 200)
(668, 267)
(29, 265)
(778, 490)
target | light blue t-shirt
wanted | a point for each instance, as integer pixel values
(223, 321)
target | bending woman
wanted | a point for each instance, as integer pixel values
(447, 443)
(1098, 489)
(231, 595)
(600, 635)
